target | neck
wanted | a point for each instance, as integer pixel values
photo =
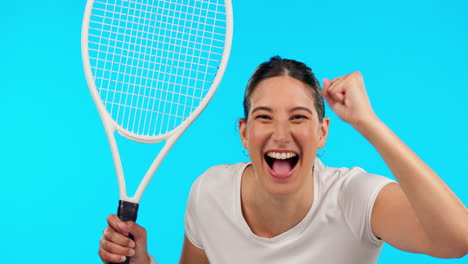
(270, 215)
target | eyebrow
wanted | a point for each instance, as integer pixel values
(302, 108)
(268, 109)
(260, 108)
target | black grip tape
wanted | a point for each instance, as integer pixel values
(127, 211)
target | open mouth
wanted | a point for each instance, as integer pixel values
(281, 163)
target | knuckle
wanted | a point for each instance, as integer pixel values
(104, 255)
(357, 73)
(107, 234)
(105, 231)
(112, 235)
(104, 245)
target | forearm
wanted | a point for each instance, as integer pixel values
(442, 215)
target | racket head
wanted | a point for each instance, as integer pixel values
(153, 66)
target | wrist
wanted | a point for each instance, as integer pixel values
(376, 132)
(366, 124)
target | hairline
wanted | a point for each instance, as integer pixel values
(310, 91)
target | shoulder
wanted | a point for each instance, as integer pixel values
(352, 179)
(220, 174)
(217, 180)
(224, 169)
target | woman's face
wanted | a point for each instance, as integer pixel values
(282, 134)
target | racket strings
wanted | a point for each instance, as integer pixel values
(168, 10)
(143, 68)
(142, 86)
(173, 39)
(154, 63)
(124, 56)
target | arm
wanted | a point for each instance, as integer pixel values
(420, 214)
(192, 254)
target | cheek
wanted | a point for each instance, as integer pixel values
(257, 134)
(307, 131)
(307, 137)
(257, 138)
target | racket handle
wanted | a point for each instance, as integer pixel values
(127, 211)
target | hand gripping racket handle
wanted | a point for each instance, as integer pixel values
(127, 211)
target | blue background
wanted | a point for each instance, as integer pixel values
(57, 178)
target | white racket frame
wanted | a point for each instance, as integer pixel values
(170, 137)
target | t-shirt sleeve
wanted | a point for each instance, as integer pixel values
(191, 217)
(357, 197)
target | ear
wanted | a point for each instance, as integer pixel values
(243, 131)
(324, 126)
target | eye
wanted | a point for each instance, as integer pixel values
(298, 117)
(266, 117)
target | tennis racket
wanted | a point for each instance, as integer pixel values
(152, 66)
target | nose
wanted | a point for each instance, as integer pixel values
(281, 132)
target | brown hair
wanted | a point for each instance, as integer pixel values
(278, 66)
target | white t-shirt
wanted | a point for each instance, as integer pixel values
(335, 230)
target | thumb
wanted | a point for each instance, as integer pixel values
(326, 83)
(137, 231)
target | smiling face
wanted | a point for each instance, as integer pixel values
(282, 134)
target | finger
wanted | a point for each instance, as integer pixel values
(336, 80)
(333, 102)
(112, 235)
(326, 83)
(338, 96)
(114, 221)
(113, 248)
(336, 92)
(109, 257)
(334, 105)
(330, 101)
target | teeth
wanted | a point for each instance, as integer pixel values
(281, 155)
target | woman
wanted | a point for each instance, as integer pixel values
(287, 207)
